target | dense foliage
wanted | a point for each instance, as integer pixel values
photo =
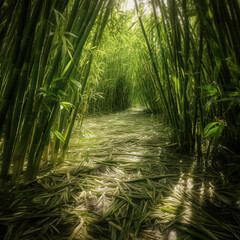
(46, 55)
(191, 70)
(112, 82)
(124, 178)
(179, 57)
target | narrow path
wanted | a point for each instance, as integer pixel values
(121, 181)
(120, 136)
(126, 151)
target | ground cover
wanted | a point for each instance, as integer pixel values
(123, 180)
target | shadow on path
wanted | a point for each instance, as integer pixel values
(122, 181)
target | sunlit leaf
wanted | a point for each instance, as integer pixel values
(58, 135)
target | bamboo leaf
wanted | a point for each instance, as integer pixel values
(58, 135)
(209, 126)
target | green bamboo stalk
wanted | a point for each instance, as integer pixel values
(33, 107)
(187, 123)
(6, 15)
(40, 139)
(96, 41)
(164, 62)
(33, 169)
(153, 62)
(197, 90)
(14, 121)
(18, 161)
(13, 80)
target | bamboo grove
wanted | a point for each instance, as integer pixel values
(190, 70)
(46, 55)
(114, 90)
(59, 58)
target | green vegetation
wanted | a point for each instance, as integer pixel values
(125, 183)
(191, 70)
(112, 84)
(46, 56)
(63, 60)
(174, 58)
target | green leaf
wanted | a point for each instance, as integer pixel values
(71, 34)
(219, 131)
(58, 79)
(62, 93)
(58, 135)
(211, 89)
(66, 105)
(209, 126)
(67, 67)
(56, 16)
(211, 131)
(76, 83)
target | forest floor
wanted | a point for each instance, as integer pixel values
(123, 180)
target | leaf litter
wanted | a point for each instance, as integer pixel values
(123, 180)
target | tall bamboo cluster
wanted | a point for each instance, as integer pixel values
(112, 85)
(46, 51)
(191, 69)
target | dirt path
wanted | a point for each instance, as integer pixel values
(120, 181)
